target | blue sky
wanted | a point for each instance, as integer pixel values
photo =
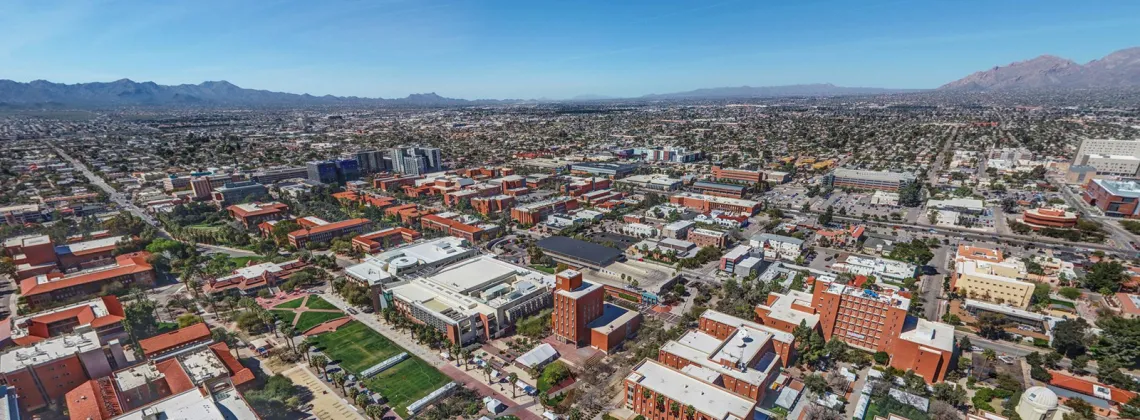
(546, 48)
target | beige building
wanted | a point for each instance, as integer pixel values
(994, 282)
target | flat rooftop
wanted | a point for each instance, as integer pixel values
(717, 199)
(885, 176)
(930, 334)
(678, 386)
(48, 350)
(1120, 188)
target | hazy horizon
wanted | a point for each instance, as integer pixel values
(521, 50)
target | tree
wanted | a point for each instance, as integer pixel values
(991, 326)
(949, 393)
(965, 343)
(827, 216)
(910, 195)
(989, 354)
(816, 383)
(186, 320)
(1104, 275)
(690, 412)
(513, 378)
(339, 379)
(321, 363)
(141, 319)
(1070, 336)
(932, 216)
(881, 357)
(1071, 292)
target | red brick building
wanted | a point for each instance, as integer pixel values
(374, 242)
(1114, 198)
(708, 237)
(103, 314)
(533, 213)
(739, 175)
(581, 315)
(176, 340)
(453, 227)
(493, 205)
(326, 232)
(128, 270)
(707, 203)
(867, 320)
(254, 213)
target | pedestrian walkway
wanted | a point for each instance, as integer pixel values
(326, 403)
(523, 406)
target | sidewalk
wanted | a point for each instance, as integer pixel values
(326, 403)
(524, 406)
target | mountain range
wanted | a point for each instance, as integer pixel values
(1120, 69)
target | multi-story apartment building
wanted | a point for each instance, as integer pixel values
(372, 161)
(415, 160)
(21, 214)
(581, 315)
(869, 180)
(324, 231)
(453, 227)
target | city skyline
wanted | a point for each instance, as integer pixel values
(501, 50)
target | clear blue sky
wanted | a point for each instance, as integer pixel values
(546, 48)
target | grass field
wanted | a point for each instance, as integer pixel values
(293, 304)
(316, 302)
(284, 316)
(358, 347)
(311, 319)
(407, 382)
(243, 261)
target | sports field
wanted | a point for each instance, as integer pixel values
(309, 319)
(358, 347)
(407, 382)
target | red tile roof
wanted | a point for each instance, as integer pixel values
(265, 208)
(239, 374)
(93, 400)
(174, 339)
(125, 264)
(1087, 387)
(346, 224)
(176, 378)
(454, 224)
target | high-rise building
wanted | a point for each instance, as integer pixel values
(415, 160)
(372, 161)
(333, 171)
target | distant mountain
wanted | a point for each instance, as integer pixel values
(126, 92)
(819, 89)
(1117, 70)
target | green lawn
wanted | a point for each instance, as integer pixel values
(244, 261)
(293, 304)
(311, 319)
(316, 302)
(284, 316)
(544, 269)
(407, 382)
(358, 347)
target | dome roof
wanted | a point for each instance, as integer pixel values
(1040, 397)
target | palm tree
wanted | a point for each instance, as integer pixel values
(362, 400)
(339, 379)
(289, 331)
(675, 408)
(351, 394)
(690, 412)
(269, 320)
(374, 411)
(304, 346)
(512, 378)
(321, 363)
(989, 354)
(487, 371)
(464, 355)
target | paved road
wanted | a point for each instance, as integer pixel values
(117, 198)
(932, 285)
(972, 235)
(1001, 347)
(1118, 235)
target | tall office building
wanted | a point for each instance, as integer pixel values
(333, 171)
(415, 160)
(371, 161)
